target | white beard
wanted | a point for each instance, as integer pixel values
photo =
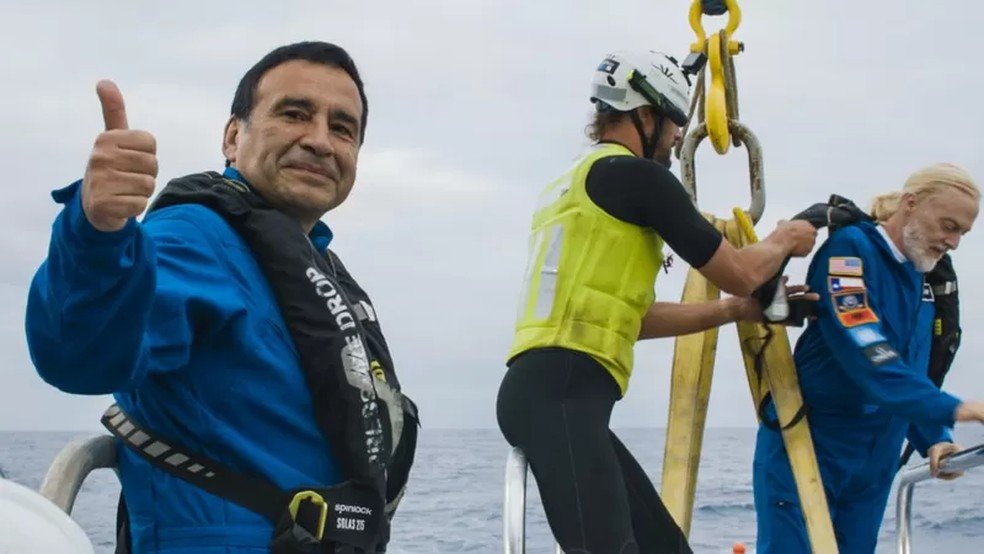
(914, 243)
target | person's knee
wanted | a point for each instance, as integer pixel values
(779, 519)
(781, 529)
(602, 544)
(584, 516)
(857, 530)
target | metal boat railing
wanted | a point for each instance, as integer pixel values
(961, 461)
(76, 460)
(72, 465)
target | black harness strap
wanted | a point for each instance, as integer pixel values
(347, 514)
(255, 494)
(767, 397)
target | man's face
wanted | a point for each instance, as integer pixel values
(300, 144)
(935, 225)
(669, 136)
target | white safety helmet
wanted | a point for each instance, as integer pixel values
(626, 80)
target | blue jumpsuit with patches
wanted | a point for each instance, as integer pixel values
(862, 368)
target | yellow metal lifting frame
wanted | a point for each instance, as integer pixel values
(693, 356)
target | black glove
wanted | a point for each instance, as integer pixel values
(836, 213)
(800, 309)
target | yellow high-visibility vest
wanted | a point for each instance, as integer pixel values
(590, 275)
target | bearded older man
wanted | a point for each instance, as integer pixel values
(863, 364)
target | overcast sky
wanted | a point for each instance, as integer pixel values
(474, 106)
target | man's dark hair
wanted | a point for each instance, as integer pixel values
(602, 121)
(606, 117)
(312, 51)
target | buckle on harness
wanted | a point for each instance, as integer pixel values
(313, 498)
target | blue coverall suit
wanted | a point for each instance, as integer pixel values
(862, 368)
(174, 317)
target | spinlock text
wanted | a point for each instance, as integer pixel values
(349, 509)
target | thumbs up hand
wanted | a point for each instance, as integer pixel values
(120, 176)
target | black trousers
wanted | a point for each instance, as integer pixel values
(555, 404)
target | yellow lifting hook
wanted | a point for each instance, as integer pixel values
(734, 19)
(720, 102)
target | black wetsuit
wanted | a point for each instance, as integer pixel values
(555, 403)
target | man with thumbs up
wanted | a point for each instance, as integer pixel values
(256, 400)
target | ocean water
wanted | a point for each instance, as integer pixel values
(454, 501)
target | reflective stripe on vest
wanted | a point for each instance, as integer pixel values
(590, 276)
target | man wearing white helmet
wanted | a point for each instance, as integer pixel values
(626, 81)
(595, 251)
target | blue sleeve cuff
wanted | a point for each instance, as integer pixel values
(78, 225)
(942, 410)
(923, 437)
(946, 435)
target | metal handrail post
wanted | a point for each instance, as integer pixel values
(514, 506)
(903, 516)
(961, 461)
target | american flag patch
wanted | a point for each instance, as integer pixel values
(845, 266)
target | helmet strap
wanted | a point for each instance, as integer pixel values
(648, 141)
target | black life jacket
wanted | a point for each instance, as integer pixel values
(946, 328)
(357, 400)
(946, 324)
